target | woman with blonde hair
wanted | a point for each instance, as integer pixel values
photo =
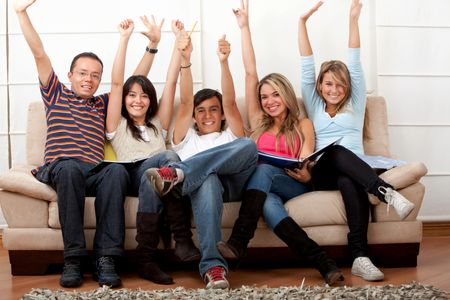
(278, 128)
(336, 102)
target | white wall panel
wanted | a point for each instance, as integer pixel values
(430, 145)
(413, 51)
(274, 26)
(4, 159)
(437, 198)
(62, 48)
(67, 16)
(416, 100)
(18, 146)
(3, 69)
(3, 14)
(4, 144)
(413, 12)
(3, 110)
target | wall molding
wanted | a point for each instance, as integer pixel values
(436, 228)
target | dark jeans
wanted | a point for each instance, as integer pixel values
(73, 182)
(339, 168)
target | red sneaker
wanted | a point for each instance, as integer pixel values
(163, 179)
(215, 278)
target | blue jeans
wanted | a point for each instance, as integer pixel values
(279, 188)
(149, 200)
(73, 182)
(212, 177)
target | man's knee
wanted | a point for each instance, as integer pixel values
(248, 147)
(171, 156)
(67, 169)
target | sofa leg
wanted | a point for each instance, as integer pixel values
(33, 262)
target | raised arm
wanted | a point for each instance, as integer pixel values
(183, 117)
(153, 34)
(165, 109)
(43, 63)
(353, 37)
(115, 98)
(230, 109)
(254, 111)
(304, 44)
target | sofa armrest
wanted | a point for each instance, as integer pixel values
(405, 175)
(20, 180)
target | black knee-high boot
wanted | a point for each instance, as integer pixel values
(147, 225)
(178, 213)
(298, 241)
(245, 225)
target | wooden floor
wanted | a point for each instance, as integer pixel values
(433, 268)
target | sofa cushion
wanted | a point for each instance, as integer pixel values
(317, 209)
(20, 180)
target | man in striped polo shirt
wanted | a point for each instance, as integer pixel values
(75, 143)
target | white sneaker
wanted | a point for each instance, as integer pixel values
(363, 267)
(402, 205)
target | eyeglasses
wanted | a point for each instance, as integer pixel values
(94, 76)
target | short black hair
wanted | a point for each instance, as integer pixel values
(85, 54)
(205, 94)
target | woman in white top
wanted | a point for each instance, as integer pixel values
(136, 126)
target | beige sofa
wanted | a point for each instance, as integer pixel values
(33, 237)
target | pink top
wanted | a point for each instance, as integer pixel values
(267, 141)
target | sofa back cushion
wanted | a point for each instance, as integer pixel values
(376, 138)
(36, 133)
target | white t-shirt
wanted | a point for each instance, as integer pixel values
(194, 143)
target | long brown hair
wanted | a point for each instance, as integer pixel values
(289, 128)
(149, 89)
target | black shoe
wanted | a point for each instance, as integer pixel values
(152, 272)
(186, 251)
(106, 272)
(72, 275)
(334, 275)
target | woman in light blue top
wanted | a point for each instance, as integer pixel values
(335, 102)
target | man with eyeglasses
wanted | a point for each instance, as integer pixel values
(74, 145)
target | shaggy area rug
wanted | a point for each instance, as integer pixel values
(404, 291)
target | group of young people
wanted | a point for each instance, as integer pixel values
(208, 164)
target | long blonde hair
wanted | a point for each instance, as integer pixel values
(339, 72)
(290, 127)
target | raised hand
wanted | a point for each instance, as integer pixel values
(242, 14)
(184, 44)
(126, 27)
(22, 5)
(223, 49)
(153, 32)
(355, 9)
(304, 17)
(177, 26)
